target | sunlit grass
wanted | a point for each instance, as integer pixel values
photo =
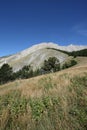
(56, 101)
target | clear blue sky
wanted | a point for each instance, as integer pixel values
(24, 23)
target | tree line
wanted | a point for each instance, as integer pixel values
(73, 53)
(50, 65)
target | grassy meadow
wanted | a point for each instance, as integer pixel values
(56, 101)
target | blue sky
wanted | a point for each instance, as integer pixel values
(24, 23)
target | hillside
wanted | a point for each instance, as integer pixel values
(82, 52)
(56, 101)
(37, 58)
(36, 55)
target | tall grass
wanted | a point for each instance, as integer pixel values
(61, 104)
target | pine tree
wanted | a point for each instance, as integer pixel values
(51, 65)
(5, 73)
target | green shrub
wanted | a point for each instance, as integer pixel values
(51, 65)
(69, 64)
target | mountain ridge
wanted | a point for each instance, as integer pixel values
(70, 47)
(36, 55)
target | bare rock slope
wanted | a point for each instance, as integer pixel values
(36, 55)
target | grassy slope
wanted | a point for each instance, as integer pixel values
(55, 101)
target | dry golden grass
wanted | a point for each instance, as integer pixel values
(4, 118)
(34, 87)
(81, 61)
(49, 86)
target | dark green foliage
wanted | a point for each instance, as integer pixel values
(79, 53)
(51, 65)
(73, 53)
(73, 62)
(37, 72)
(24, 73)
(66, 52)
(70, 64)
(65, 65)
(5, 73)
(17, 75)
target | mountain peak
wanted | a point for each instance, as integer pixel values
(36, 54)
(43, 45)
